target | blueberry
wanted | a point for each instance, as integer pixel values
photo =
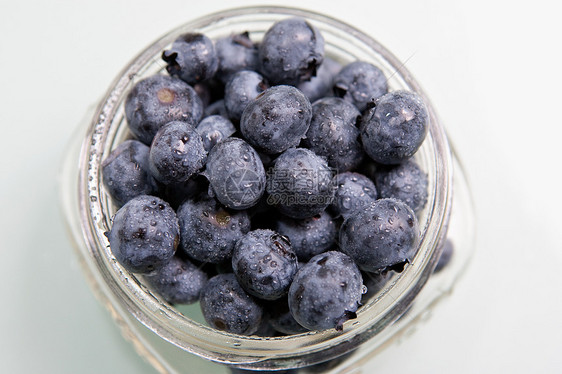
(125, 172)
(321, 85)
(213, 129)
(235, 52)
(218, 108)
(208, 231)
(281, 319)
(144, 234)
(446, 255)
(176, 153)
(277, 119)
(300, 183)
(192, 58)
(236, 173)
(309, 236)
(359, 83)
(179, 281)
(395, 128)
(354, 192)
(291, 51)
(227, 307)
(332, 133)
(242, 88)
(406, 182)
(157, 100)
(264, 264)
(326, 291)
(381, 237)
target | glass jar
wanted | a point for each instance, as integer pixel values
(177, 339)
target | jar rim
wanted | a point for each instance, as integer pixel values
(220, 346)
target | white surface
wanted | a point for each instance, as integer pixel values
(492, 70)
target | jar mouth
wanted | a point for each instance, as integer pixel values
(108, 128)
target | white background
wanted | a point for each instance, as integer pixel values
(492, 70)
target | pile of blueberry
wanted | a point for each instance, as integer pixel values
(266, 181)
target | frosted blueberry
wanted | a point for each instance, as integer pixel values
(235, 52)
(300, 183)
(158, 100)
(277, 119)
(208, 231)
(359, 83)
(179, 281)
(309, 236)
(395, 128)
(333, 135)
(192, 58)
(227, 307)
(126, 173)
(354, 192)
(241, 89)
(213, 129)
(381, 237)
(236, 173)
(176, 153)
(144, 234)
(406, 182)
(291, 51)
(264, 264)
(326, 291)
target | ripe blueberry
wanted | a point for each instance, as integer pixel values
(321, 85)
(406, 182)
(395, 128)
(333, 135)
(354, 192)
(176, 153)
(126, 173)
(446, 255)
(359, 83)
(227, 307)
(208, 231)
(277, 119)
(144, 234)
(300, 183)
(236, 173)
(179, 281)
(192, 58)
(326, 291)
(264, 264)
(281, 319)
(235, 52)
(241, 89)
(158, 100)
(213, 129)
(381, 237)
(309, 236)
(291, 51)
